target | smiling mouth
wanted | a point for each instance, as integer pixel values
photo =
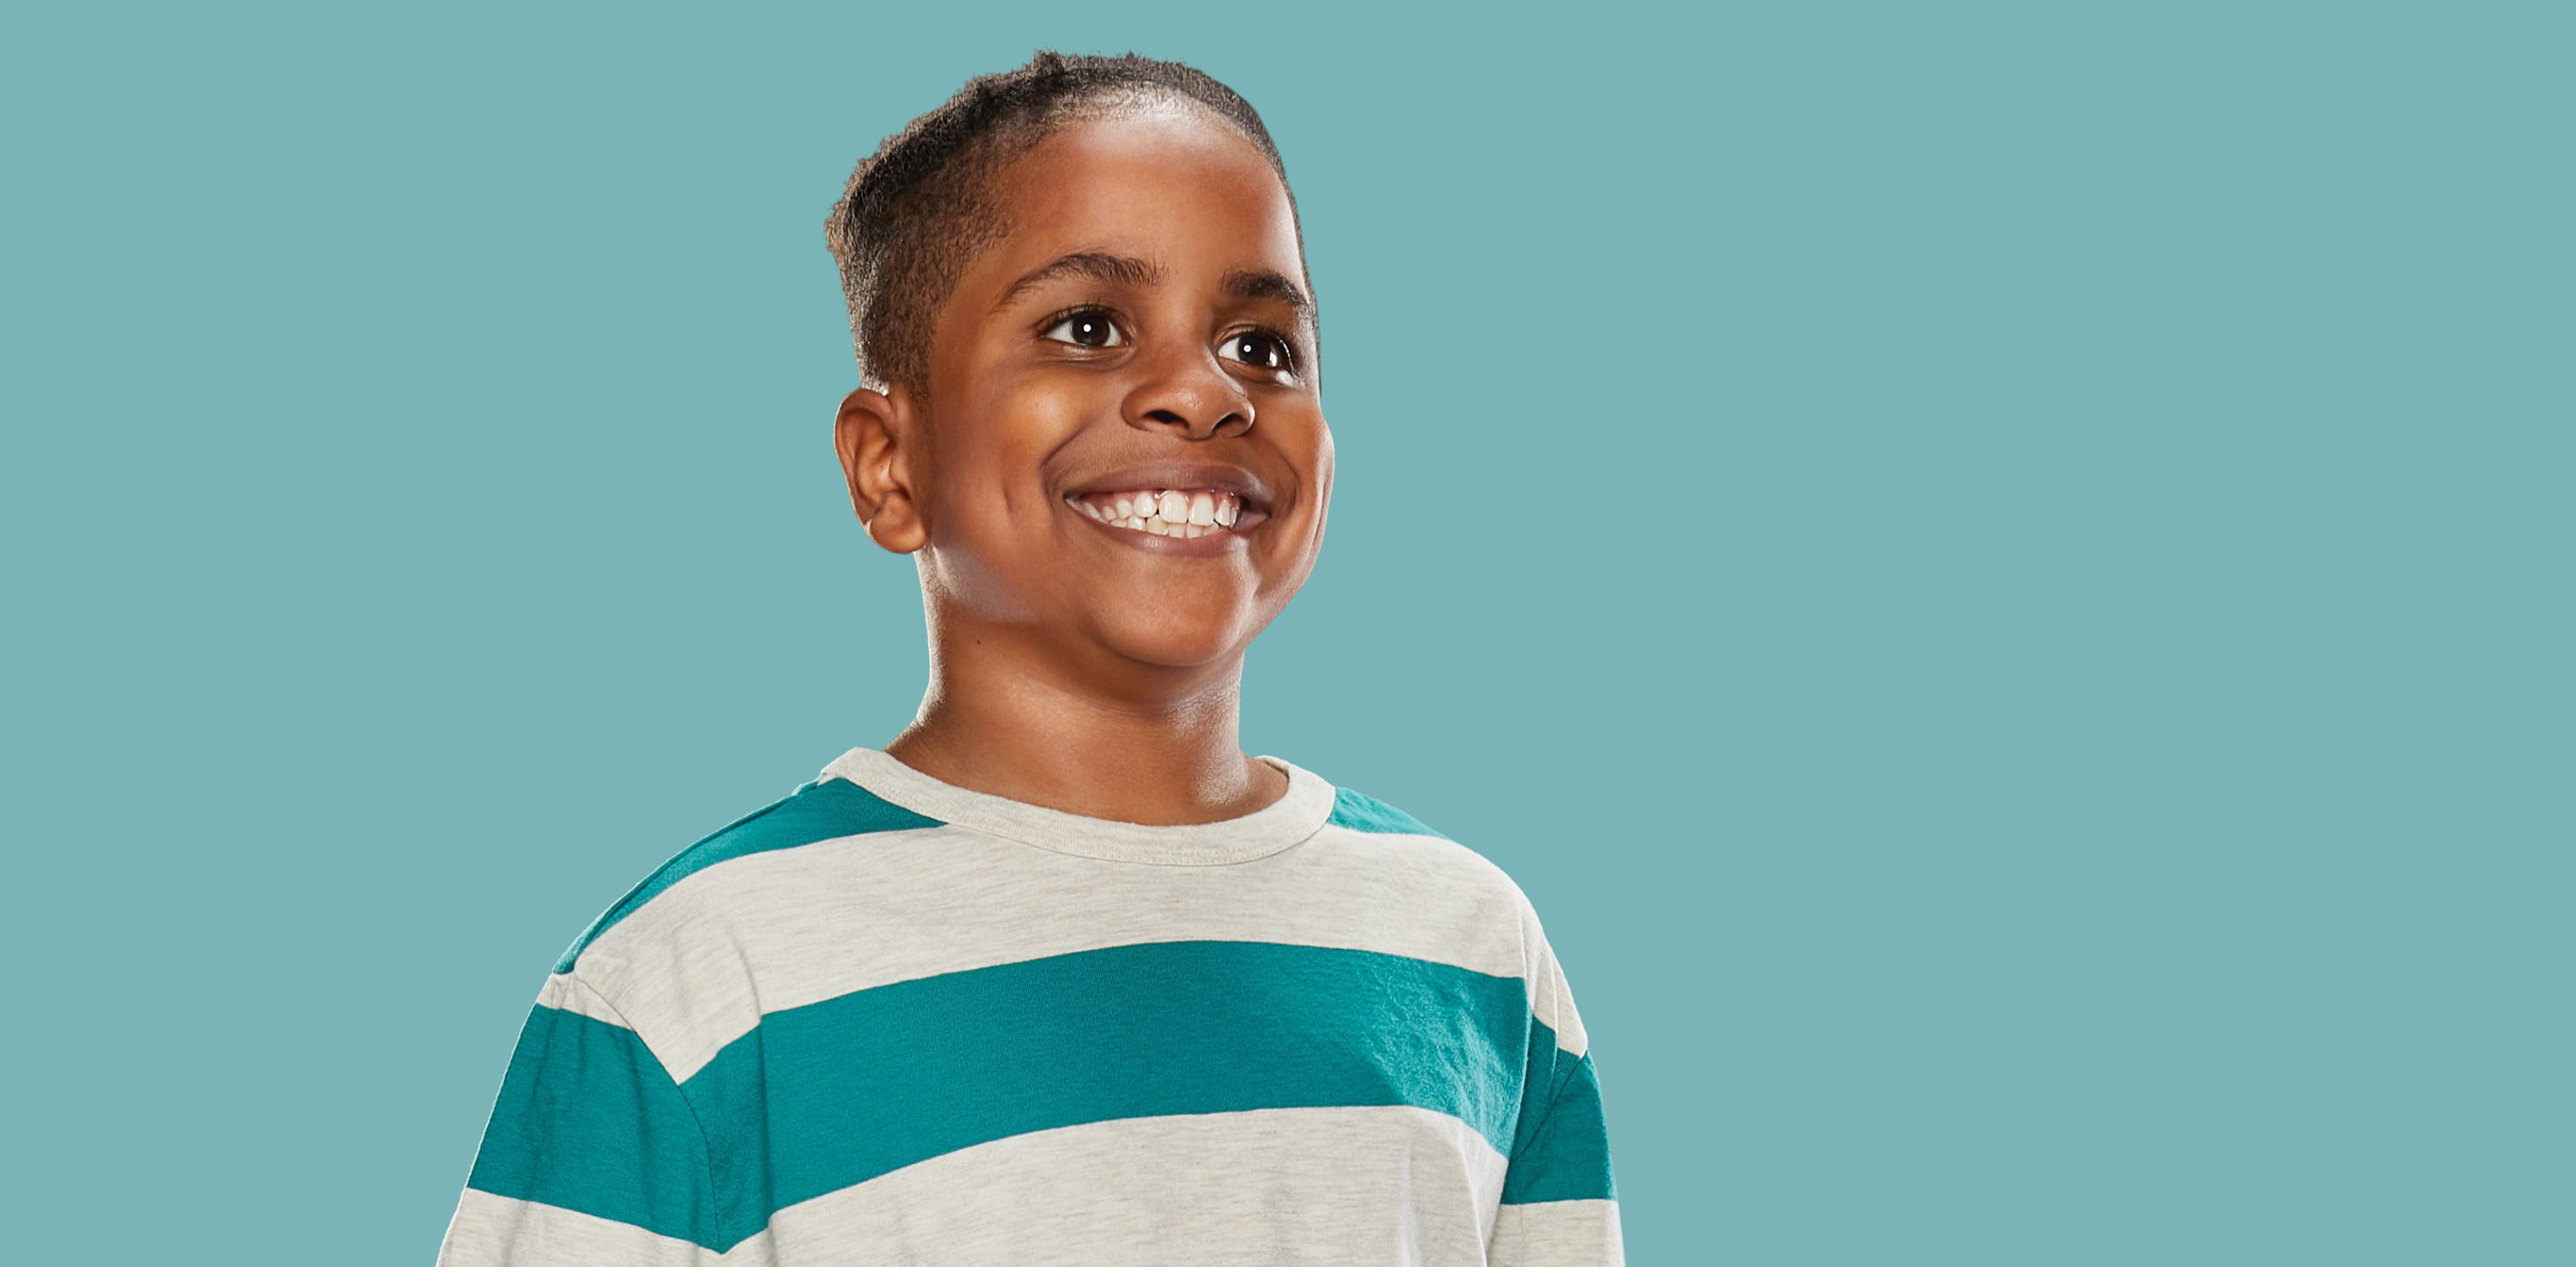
(1172, 512)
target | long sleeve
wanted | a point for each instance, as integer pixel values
(1559, 1205)
(593, 1155)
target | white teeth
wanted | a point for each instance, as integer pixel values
(1165, 512)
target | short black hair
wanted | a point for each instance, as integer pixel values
(916, 212)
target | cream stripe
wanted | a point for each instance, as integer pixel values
(1342, 1185)
(696, 967)
(563, 992)
(1558, 1234)
(497, 1231)
(1552, 997)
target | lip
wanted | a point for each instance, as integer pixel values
(1251, 489)
(1248, 488)
(1207, 546)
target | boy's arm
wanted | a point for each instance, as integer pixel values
(593, 1155)
(1559, 1207)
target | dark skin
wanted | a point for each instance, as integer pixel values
(1073, 666)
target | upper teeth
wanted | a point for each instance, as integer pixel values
(1165, 512)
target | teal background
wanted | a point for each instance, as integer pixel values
(1999, 573)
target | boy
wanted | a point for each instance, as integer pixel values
(1059, 974)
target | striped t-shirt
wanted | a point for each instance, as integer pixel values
(892, 1020)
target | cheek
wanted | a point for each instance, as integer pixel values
(1046, 409)
(995, 461)
(1314, 457)
(1324, 464)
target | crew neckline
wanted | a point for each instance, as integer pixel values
(1285, 822)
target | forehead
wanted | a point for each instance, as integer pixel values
(1169, 183)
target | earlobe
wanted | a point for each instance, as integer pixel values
(872, 434)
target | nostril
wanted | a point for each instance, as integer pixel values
(1232, 422)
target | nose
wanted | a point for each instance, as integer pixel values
(1189, 392)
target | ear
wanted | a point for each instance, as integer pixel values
(878, 439)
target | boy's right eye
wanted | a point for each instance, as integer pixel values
(1088, 327)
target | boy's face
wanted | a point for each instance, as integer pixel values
(1139, 330)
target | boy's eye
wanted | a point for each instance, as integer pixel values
(1260, 350)
(1090, 328)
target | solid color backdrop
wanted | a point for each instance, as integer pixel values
(1997, 571)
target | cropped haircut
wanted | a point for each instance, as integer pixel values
(917, 212)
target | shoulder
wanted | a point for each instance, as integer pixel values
(1380, 825)
(1358, 812)
(677, 960)
(820, 810)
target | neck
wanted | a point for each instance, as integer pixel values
(1111, 738)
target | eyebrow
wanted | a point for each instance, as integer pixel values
(1127, 270)
(1263, 283)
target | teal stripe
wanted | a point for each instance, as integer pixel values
(825, 809)
(588, 1120)
(835, 1093)
(1564, 1154)
(1367, 813)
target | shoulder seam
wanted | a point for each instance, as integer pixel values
(706, 1147)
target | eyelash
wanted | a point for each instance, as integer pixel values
(1287, 347)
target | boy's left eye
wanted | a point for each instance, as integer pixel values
(1260, 350)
